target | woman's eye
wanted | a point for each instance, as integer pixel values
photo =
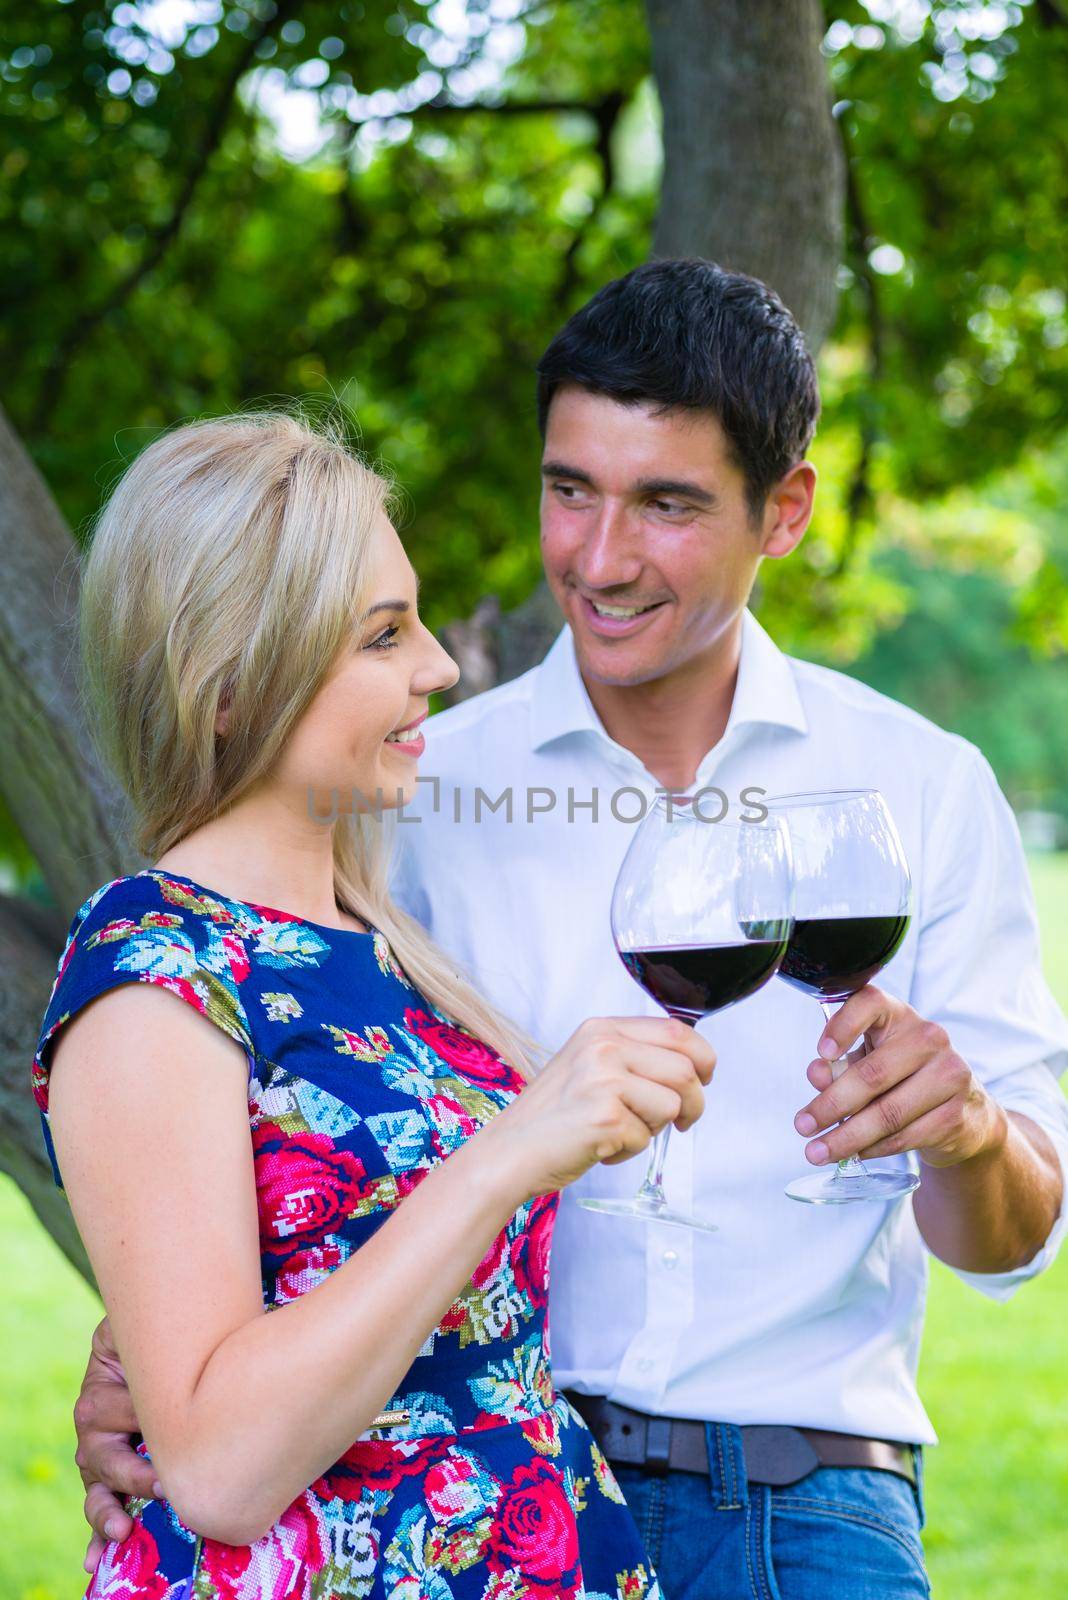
(385, 639)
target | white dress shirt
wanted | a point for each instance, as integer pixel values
(790, 1313)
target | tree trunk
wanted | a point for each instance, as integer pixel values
(754, 175)
(68, 812)
(754, 178)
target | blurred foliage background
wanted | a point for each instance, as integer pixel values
(391, 205)
(396, 203)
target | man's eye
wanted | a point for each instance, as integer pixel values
(385, 639)
(567, 491)
(668, 507)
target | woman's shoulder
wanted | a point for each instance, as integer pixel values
(149, 928)
(144, 913)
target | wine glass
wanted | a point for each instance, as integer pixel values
(701, 915)
(852, 898)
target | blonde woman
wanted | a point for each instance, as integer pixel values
(267, 1092)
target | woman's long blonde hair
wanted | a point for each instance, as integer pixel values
(228, 566)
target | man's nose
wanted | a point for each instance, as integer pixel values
(608, 557)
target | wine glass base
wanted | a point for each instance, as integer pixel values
(822, 1189)
(647, 1211)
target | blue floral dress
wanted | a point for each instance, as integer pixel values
(487, 1486)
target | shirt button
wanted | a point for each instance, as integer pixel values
(645, 1365)
(670, 1258)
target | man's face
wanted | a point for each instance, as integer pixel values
(645, 511)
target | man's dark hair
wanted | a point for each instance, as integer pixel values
(687, 334)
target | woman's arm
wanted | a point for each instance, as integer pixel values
(243, 1410)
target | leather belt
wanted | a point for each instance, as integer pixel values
(773, 1455)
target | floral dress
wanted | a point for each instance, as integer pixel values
(484, 1484)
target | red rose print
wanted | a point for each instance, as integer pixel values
(284, 1565)
(269, 914)
(530, 1251)
(305, 1269)
(305, 1187)
(458, 1488)
(490, 1264)
(182, 987)
(543, 1431)
(237, 956)
(462, 1050)
(378, 1464)
(535, 1531)
(130, 1571)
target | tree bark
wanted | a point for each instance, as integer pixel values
(754, 175)
(67, 810)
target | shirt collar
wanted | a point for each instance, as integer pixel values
(766, 691)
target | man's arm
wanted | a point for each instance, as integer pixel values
(966, 1074)
(105, 1422)
(992, 1186)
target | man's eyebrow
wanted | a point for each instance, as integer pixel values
(560, 469)
(650, 486)
(676, 486)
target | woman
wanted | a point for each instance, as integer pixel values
(278, 1142)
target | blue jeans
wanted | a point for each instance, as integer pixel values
(842, 1533)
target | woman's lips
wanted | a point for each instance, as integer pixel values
(616, 627)
(408, 747)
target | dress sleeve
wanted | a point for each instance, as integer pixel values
(144, 929)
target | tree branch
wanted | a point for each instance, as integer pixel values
(67, 348)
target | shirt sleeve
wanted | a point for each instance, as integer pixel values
(126, 932)
(406, 879)
(979, 970)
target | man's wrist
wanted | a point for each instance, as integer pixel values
(991, 1132)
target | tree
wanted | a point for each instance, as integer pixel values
(168, 251)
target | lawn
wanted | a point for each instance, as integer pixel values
(993, 1377)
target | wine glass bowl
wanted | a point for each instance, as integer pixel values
(701, 917)
(852, 902)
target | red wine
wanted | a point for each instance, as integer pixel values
(690, 980)
(833, 957)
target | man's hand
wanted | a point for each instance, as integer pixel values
(909, 1090)
(109, 1465)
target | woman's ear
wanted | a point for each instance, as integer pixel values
(222, 715)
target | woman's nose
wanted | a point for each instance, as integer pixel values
(438, 671)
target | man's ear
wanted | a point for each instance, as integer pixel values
(788, 510)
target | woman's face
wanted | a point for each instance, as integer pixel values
(347, 740)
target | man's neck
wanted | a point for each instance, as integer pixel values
(671, 723)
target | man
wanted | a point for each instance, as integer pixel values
(755, 1388)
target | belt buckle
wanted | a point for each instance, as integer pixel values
(777, 1455)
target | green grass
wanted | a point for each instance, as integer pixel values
(992, 1376)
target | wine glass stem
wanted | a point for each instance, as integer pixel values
(852, 1166)
(652, 1190)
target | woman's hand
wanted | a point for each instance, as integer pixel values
(612, 1087)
